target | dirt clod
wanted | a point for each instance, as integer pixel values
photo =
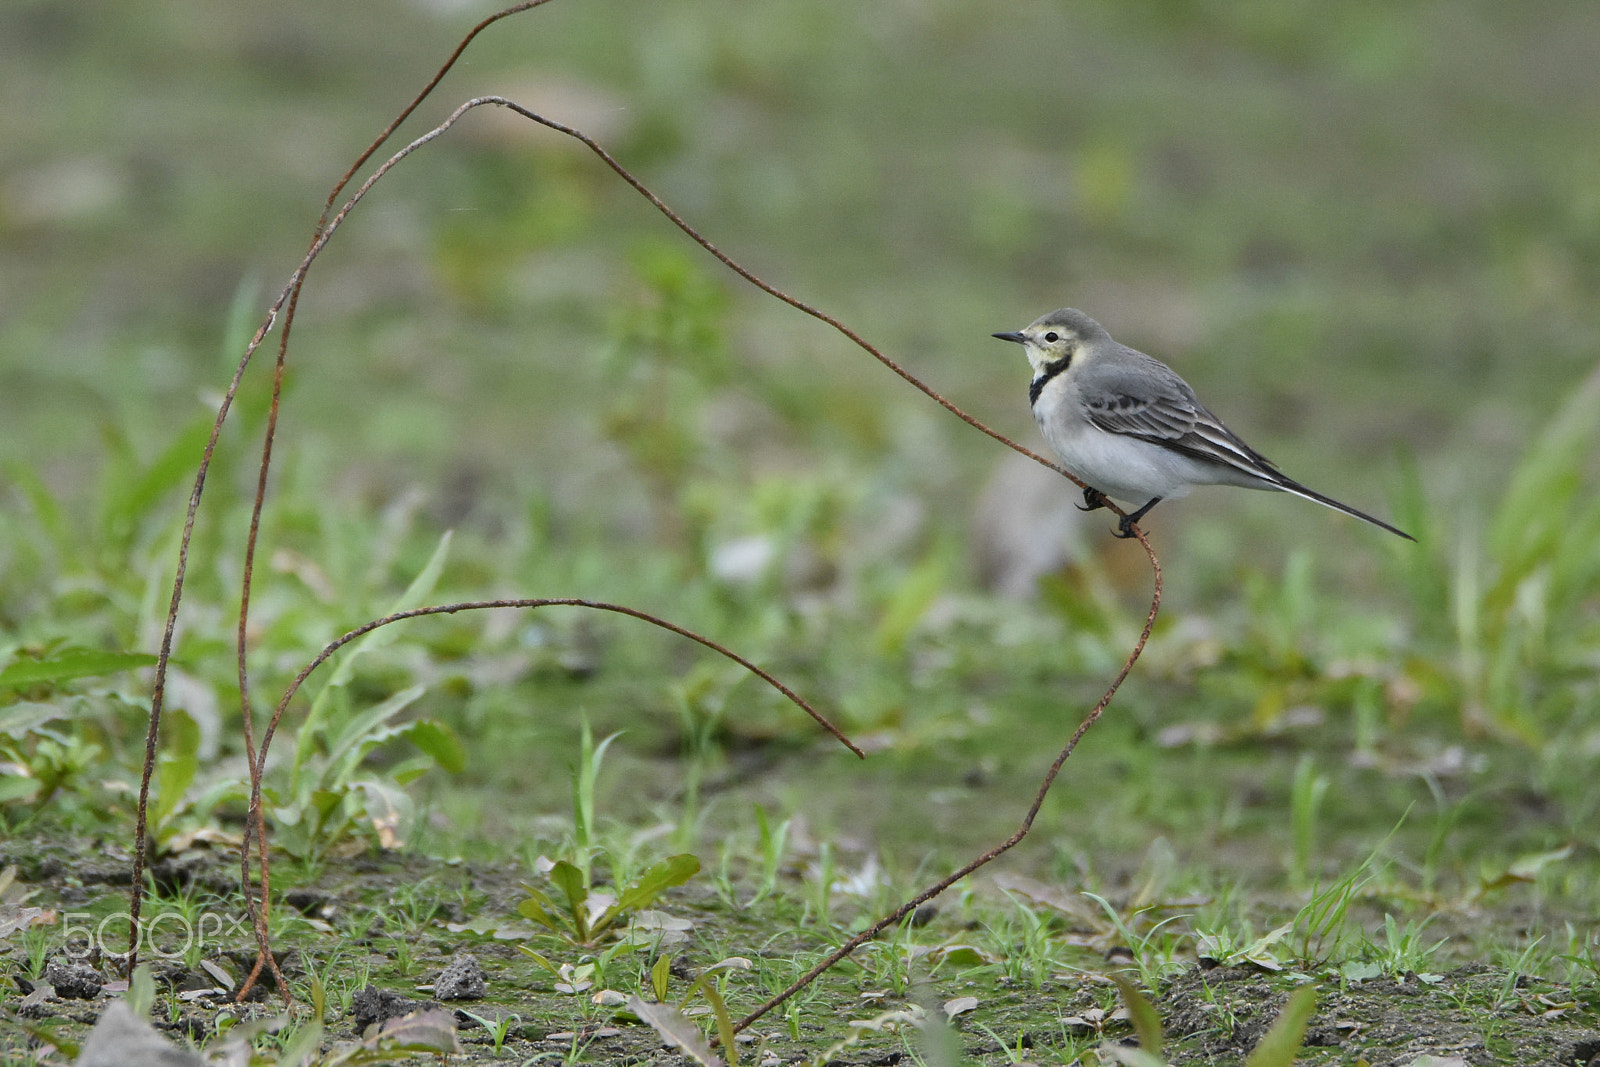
(461, 980)
(373, 1005)
(73, 981)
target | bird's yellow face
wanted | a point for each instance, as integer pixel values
(1048, 342)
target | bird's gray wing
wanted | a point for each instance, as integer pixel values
(1144, 398)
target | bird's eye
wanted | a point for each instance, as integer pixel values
(1051, 338)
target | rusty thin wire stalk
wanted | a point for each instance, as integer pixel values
(872, 350)
(290, 295)
(427, 90)
(288, 299)
(164, 654)
(253, 819)
(332, 225)
(258, 913)
(771, 290)
(940, 886)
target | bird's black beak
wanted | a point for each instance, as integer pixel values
(1015, 335)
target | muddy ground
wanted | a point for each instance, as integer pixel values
(1470, 1014)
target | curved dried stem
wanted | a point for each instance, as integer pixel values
(771, 290)
(545, 602)
(895, 916)
(270, 433)
(427, 90)
(164, 654)
(286, 304)
(254, 823)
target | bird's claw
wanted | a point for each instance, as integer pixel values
(1093, 499)
(1128, 525)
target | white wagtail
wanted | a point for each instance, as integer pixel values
(1130, 427)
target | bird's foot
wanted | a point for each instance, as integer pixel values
(1093, 499)
(1126, 524)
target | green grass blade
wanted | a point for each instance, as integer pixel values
(719, 1008)
(176, 769)
(141, 995)
(1146, 1020)
(346, 749)
(574, 885)
(70, 664)
(438, 741)
(1279, 1045)
(670, 872)
(129, 501)
(416, 593)
(538, 907)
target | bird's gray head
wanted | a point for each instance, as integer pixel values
(1052, 341)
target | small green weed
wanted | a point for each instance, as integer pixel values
(1511, 600)
(1321, 926)
(770, 844)
(1277, 1047)
(328, 796)
(1403, 951)
(577, 912)
(1305, 801)
(498, 1028)
(1518, 969)
(40, 759)
(1582, 957)
(583, 916)
(1154, 950)
(1024, 943)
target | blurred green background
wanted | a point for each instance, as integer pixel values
(1367, 232)
(1362, 229)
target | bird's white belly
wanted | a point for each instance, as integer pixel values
(1125, 468)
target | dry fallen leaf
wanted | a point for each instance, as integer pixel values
(675, 1030)
(959, 1006)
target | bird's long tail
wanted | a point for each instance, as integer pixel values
(1289, 485)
